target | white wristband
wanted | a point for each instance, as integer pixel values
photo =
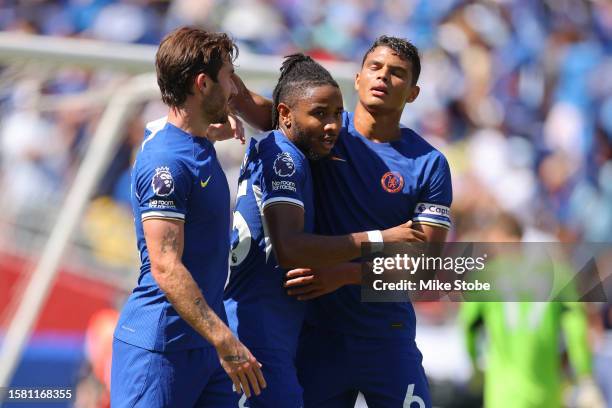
(376, 239)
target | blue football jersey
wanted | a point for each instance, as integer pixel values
(274, 170)
(177, 176)
(364, 186)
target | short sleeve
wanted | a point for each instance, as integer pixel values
(162, 185)
(434, 203)
(282, 178)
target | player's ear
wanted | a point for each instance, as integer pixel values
(357, 81)
(412, 95)
(201, 82)
(284, 114)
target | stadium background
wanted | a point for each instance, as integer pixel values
(516, 93)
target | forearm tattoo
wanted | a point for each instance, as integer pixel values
(205, 312)
(207, 315)
(169, 241)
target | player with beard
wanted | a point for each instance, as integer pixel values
(172, 344)
(386, 174)
(274, 220)
(378, 174)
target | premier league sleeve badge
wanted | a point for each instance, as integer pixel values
(162, 182)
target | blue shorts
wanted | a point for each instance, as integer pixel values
(283, 388)
(186, 378)
(334, 367)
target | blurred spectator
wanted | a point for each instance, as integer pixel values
(32, 151)
(516, 93)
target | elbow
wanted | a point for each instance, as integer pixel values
(160, 272)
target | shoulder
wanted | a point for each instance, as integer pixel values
(421, 147)
(154, 129)
(151, 160)
(156, 125)
(271, 141)
(417, 141)
(162, 135)
(274, 145)
(165, 146)
(261, 141)
(260, 146)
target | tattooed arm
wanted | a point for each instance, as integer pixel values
(165, 244)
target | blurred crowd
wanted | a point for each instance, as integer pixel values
(516, 93)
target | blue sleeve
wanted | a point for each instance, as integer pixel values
(162, 185)
(434, 203)
(282, 178)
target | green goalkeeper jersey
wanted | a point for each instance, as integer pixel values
(523, 355)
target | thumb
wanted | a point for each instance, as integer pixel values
(409, 224)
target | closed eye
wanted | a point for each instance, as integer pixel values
(399, 72)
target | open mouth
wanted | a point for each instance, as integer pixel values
(328, 142)
(379, 90)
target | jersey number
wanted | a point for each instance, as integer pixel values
(532, 320)
(240, 252)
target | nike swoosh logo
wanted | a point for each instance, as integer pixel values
(336, 158)
(205, 183)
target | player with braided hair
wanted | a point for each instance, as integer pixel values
(298, 72)
(274, 221)
(378, 174)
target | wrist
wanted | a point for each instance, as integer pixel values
(222, 335)
(376, 240)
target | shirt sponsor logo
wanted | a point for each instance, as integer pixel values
(392, 182)
(284, 165)
(162, 182)
(161, 204)
(283, 185)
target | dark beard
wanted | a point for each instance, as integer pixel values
(312, 156)
(220, 118)
(301, 141)
(216, 115)
(215, 110)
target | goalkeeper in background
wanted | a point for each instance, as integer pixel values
(523, 359)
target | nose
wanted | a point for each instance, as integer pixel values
(383, 74)
(332, 126)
